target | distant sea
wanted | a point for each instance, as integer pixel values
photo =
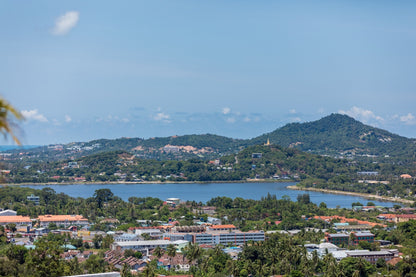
(12, 147)
(204, 192)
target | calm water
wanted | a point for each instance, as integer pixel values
(204, 192)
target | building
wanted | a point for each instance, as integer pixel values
(146, 245)
(337, 239)
(19, 220)
(367, 173)
(65, 220)
(214, 220)
(33, 198)
(153, 233)
(373, 256)
(8, 213)
(127, 237)
(173, 201)
(217, 237)
(362, 236)
(228, 227)
(397, 218)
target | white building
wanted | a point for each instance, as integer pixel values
(8, 213)
(146, 245)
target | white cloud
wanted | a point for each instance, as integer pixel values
(292, 111)
(408, 119)
(162, 117)
(226, 110)
(65, 23)
(34, 115)
(231, 120)
(68, 119)
(296, 119)
(362, 114)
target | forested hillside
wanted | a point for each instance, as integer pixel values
(335, 135)
(341, 134)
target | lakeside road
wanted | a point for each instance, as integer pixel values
(364, 195)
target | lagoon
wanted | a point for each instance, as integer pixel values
(202, 192)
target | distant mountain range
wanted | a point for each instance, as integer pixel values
(334, 135)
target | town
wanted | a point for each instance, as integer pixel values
(225, 236)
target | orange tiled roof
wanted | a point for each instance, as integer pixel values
(349, 220)
(391, 216)
(229, 226)
(14, 218)
(49, 217)
(411, 216)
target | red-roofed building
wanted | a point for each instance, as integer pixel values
(228, 227)
(397, 218)
(65, 220)
(15, 219)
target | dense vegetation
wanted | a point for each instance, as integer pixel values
(336, 134)
(279, 254)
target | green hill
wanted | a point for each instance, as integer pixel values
(336, 134)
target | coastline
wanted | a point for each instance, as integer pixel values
(149, 182)
(364, 195)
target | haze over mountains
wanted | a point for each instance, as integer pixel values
(333, 135)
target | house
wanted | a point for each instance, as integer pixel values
(213, 220)
(179, 262)
(65, 220)
(8, 213)
(33, 198)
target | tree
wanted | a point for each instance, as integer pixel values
(8, 115)
(95, 264)
(125, 271)
(17, 252)
(107, 241)
(158, 252)
(11, 227)
(45, 259)
(149, 270)
(102, 196)
(171, 251)
(97, 241)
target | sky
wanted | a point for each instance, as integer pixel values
(84, 70)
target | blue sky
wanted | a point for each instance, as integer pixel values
(83, 70)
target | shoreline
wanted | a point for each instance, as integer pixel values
(364, 195)
(150, 182)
